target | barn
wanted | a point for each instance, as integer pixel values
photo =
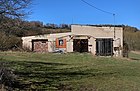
(98, 40)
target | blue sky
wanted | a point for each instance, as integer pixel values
(76, 12)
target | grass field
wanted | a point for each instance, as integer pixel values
(74, 71)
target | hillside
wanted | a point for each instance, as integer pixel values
(14, 29)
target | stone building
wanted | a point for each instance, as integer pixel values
(99, 40)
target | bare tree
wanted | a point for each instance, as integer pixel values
(9, 11)
(14, 8)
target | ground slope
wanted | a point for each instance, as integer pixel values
(73, 71)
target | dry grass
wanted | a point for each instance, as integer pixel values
(73, 71)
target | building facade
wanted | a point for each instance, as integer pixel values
(99, 40)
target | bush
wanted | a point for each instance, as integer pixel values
(9, 42)
(7, 78)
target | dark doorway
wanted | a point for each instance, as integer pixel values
(104, 47)
(80, 45)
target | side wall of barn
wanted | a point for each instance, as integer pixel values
(116, 33)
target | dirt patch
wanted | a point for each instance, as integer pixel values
(136, 52)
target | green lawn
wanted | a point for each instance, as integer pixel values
(74, 71)
(134, 56)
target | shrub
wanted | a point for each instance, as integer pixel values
(9, 42)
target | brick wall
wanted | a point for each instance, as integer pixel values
(40, 46)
